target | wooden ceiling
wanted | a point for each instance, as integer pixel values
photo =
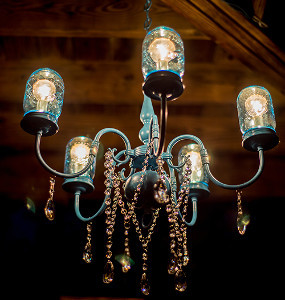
(96, 48)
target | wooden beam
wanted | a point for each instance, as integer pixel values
(259, 7)
(236, 34)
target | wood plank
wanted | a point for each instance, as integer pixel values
(236, 34)
(120, 82)
(87, 19)
(216, 125)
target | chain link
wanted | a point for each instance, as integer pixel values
(148, 20)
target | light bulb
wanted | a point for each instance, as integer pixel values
(79, 153)
(162, 50)
(192, 151)
(256, 105)
(196, 166)
(44, 92)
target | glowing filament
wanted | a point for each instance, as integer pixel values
(196, 166)
(44, 92)
(79, 154)
(256, 105)
(162, 50)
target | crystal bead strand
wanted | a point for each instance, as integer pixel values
(178, 231)
(87, 254)
(49, 207)
(160, 188)
(126, 265)
(182, 252)
(145, 288)
(242, 218)
(110, 212)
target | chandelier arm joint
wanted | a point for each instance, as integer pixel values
(168, 154)
(122, 135)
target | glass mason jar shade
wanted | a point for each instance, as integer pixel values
(255, 109)
(44, 93)
(76, 158)
(163, 64)
(256, 118)
(197, 172)
(43, 102)
(198, 177)
(162, 51)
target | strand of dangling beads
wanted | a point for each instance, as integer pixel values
(87, 253)
(243, 219)
(145, 288)
(130, 215)
(49, 207)
(110, 212)
(126, 261)
(178, 231)
(160, 188)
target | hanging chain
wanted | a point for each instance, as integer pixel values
(148, 20)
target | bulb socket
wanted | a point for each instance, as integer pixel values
(82, 184)
(34, 122)
(163, 83)
(266, 138)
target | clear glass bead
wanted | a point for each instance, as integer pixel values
(108, 275)
(180, 281)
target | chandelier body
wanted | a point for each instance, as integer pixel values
(147, 187)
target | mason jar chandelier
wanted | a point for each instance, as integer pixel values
(147, 187)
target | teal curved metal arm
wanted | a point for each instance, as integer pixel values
(118, 132)
(172, 168)
(194, 213)
(178, 139)
(77, 209)
(51, 170)
(237, 186)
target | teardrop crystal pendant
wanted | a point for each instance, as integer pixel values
(87, 256)
(242, 222)
(126, 264)
(180, 281)
(145, 288)
(108, 275)
(49, 210)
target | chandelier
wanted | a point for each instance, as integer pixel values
(148, 188)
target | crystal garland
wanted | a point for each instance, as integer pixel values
(178, 257)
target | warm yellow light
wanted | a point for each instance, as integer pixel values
(162, 50)
(79, 153)
(256, 105)
(196, 162)
(44, 90)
